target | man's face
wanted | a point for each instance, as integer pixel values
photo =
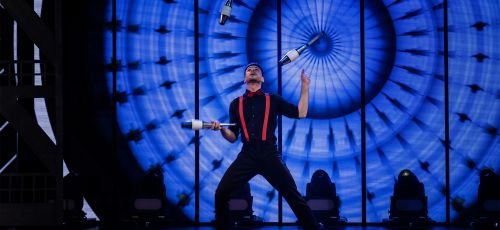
(253, 75)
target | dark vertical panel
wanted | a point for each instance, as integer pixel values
(280, 124)
(115, 142)
(197, 112)
(446, 111)
(363, 111)
(91, 139)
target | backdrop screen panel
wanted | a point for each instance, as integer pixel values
(155, 67)
(405, 119)
(329, 138)
(474, 88)
(224, 53)
(404, 86)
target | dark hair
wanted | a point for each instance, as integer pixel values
(254, 64)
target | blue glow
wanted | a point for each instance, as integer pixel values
(156, 66)
(474, 97)
(404, 86)
(405, 121)
(329, 139)
(224, 53)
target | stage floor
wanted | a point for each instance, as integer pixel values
(285, 228)
(281, 228)
(289, 227)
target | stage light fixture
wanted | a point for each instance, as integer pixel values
(488, 198)
(149, 205)
(240, 207)
(408, 202)
(321, 197)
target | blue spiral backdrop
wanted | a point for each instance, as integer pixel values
(405, 110)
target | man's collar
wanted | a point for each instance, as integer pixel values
(248, 93)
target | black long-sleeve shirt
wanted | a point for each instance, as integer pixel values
(254, 110)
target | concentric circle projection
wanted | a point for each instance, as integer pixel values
(404, 88)
(333, 61)
(331, 139)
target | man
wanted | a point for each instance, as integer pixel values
(255, 114)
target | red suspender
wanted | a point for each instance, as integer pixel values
(242, 119)
(266, 118)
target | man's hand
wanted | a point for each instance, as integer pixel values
(226, 133)
(216, 125)
(304, 78)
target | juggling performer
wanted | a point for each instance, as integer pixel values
(254, 115)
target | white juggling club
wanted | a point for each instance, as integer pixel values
(199, 124)
(295, 53)
(226, 12)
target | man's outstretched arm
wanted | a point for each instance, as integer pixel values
(228, 134)
(225, 132)
(304, 95)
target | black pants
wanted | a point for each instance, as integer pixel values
(271, 167)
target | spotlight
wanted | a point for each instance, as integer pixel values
(240, 207)
(149, 204)
(488, 197)
(321, 197)
(408, 202)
